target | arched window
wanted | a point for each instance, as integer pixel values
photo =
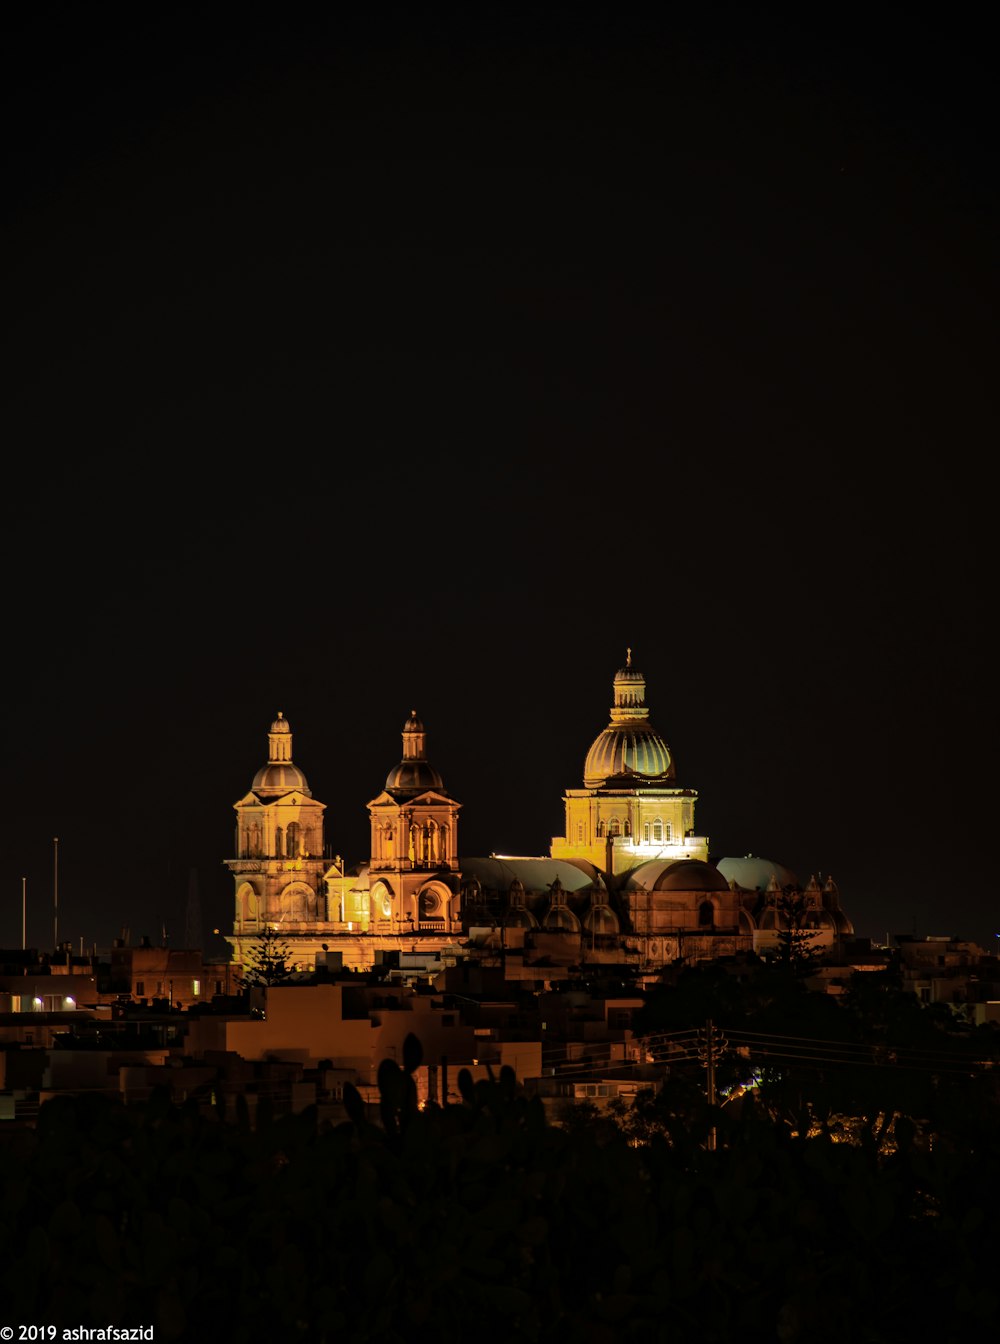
(706, 915)
(471, 891)
(614, 827)
(430, 904)
(658, 830)
(295, 903)
(279, 841)
(600, 830)
(292, 840)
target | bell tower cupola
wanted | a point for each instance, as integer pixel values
(279, 740)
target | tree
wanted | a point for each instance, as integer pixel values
(795, 938)
(266, 960)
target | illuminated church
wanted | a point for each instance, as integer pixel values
(629, 884)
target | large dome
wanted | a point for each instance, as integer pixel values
(626, 750)
(630, 746)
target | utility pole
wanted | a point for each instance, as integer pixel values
(55, 891)
(710, 1046)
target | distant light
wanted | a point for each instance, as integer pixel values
(69, 1001)
(37, 1002)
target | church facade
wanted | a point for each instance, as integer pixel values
(630, 883)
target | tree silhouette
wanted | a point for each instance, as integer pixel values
(266, 960)
(795, 939)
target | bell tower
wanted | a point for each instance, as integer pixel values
(414, 873)
(279, 866)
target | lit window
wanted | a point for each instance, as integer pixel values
(196, 987)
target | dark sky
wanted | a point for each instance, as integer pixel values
(429, 357)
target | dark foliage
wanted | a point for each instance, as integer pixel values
(266, 960)
(481, 1222)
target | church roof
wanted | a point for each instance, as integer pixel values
(535, 874)
(753, 873)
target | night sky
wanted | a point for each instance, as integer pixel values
(428, 357)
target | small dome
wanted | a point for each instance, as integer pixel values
(601, 919)
(518, 917)
(561, 919)
(278, 777)
(414, 774)
(679, 875)
(414, 777)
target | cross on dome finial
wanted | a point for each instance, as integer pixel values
(628, 656)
